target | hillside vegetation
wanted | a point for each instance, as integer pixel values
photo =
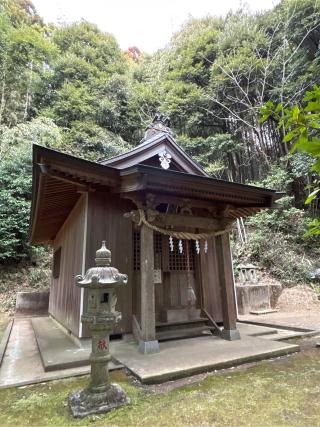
(71, 88)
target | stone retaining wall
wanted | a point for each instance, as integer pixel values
(32, 301)
(257, 297)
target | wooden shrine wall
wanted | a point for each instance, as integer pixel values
(65, 297)
(106, 222)
(211, 295)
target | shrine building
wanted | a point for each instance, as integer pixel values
(167, 224)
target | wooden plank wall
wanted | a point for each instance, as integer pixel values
(106, 222)
(211, 295)
(65, 297)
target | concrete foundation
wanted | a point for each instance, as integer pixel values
(37, 302)
(230, 334)
(257, 297)
(149, 347)
(181, 358)
(177, 358)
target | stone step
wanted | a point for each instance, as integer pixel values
(255, 330)
(180, 314)
(266, 311)
(187, 332)
(161, 326)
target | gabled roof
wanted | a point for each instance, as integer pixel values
(59, 180)
(153, 146)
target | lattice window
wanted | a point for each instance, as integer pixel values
(157, 244)
(136, 250)
(184, 261)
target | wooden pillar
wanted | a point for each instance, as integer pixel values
(229, 309)
(148, 342)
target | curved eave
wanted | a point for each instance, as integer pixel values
(242, 200)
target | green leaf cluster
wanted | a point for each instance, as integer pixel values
(15, 183)
(73, 88)
(301, 126)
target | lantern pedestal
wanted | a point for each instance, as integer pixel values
(100, 396)
(85, 402)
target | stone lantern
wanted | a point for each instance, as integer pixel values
(248, 274)
(101, 316)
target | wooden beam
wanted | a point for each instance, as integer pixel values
(229, 309)
(148, 342)
(46, 170)
(181, 220)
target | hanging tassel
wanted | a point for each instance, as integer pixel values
(197, 247)
(180, 247)
(171, 243)
(206, 246)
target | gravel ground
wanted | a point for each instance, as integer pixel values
(299, 298)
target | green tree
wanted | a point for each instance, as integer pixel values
(301, 124)
(25, 50)
(15, 183)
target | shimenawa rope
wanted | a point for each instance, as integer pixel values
(178, 234)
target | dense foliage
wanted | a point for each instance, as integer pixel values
(71, 87)
(301, 126)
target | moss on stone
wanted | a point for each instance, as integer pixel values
(283, 392)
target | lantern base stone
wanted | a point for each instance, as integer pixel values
(84, 403)
(148, 347)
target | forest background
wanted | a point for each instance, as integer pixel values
(71, 88)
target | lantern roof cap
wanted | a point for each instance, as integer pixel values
(102, 276)
(103, 256)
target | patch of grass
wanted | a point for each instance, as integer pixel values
(284, 392)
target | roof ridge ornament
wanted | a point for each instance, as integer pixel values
(160, 123)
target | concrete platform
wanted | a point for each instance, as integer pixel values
(22, 364)
(255, 330)
(44, 352)
(177, 358)
(309, 320)
(186, 357)
(4, 340)
(270, 333)
(58, 350)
